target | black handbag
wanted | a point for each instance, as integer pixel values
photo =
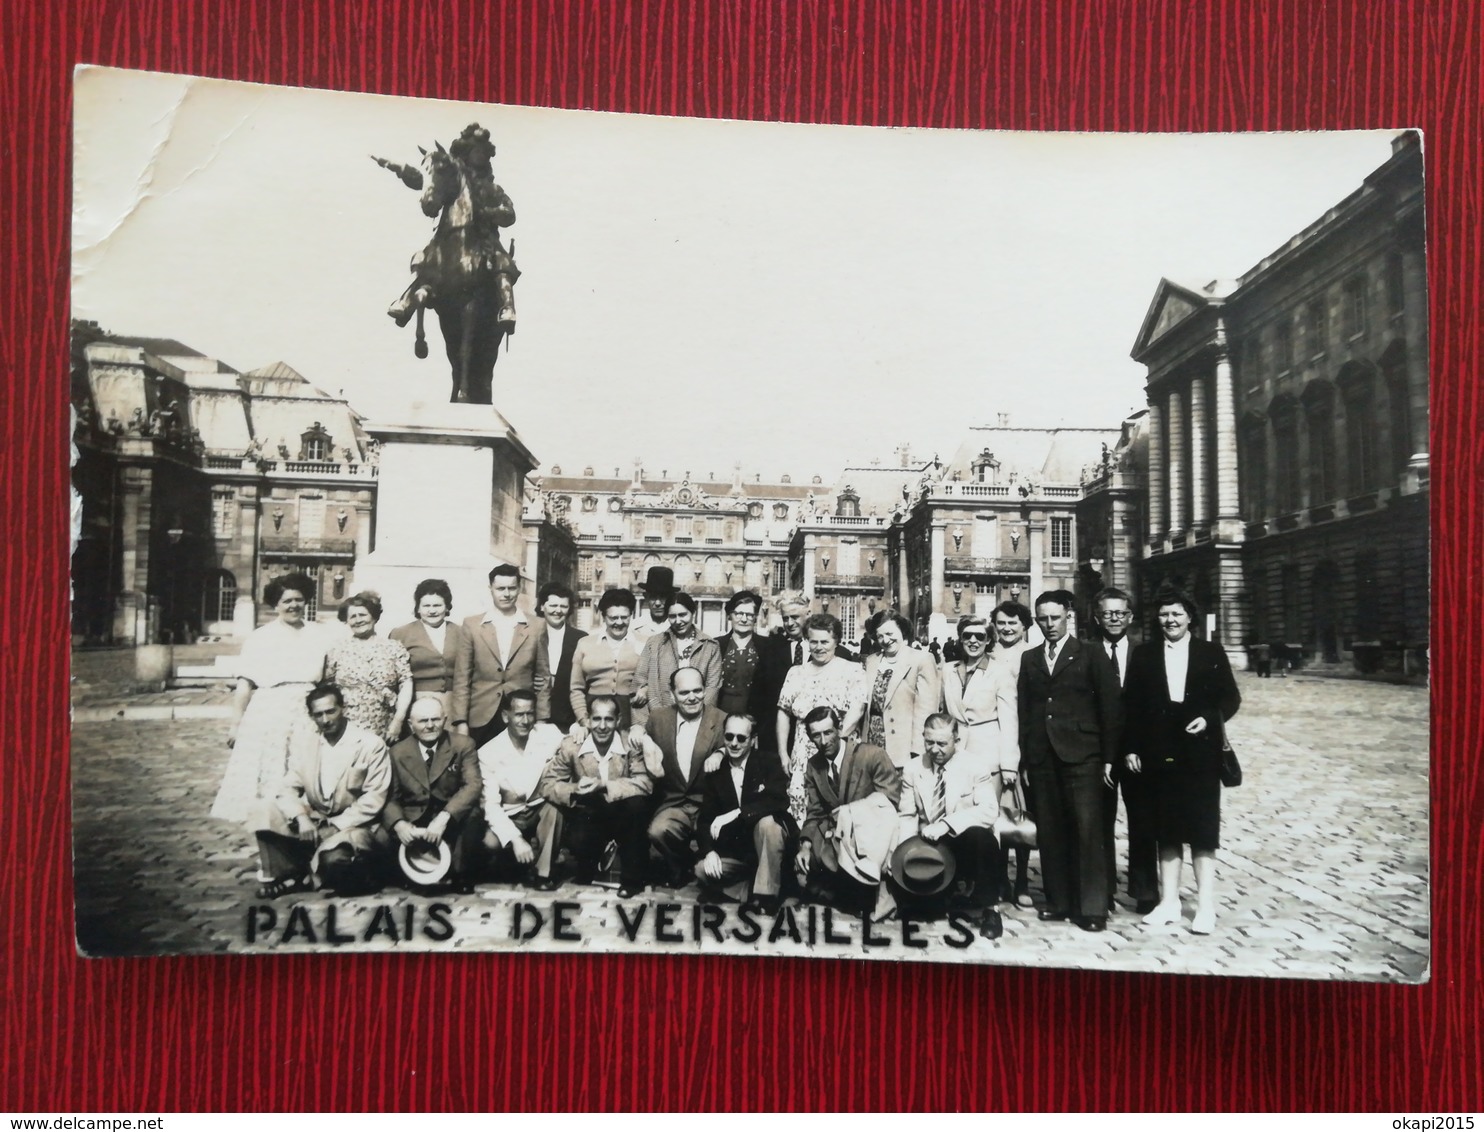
(1231, 769)
(1013, 825)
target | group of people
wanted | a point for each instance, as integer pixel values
(762, 766)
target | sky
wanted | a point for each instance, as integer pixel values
(694, 293)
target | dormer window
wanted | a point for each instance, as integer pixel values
(315, 443)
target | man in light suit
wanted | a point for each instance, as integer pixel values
(496, 656)
(951, 798)
(1113, 610)
(1071, 717)
(435, 790)
(308, 829)
(554, 649)
(685, 734)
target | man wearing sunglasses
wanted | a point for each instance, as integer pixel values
(744, 830)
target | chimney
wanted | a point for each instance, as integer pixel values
(1004, 420)
(904, 456)
(638, 472)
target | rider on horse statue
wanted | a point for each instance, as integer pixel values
(464, 274)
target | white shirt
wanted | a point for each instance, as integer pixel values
(554, 640)
(1177, 664)
(1118, 654)
(437, 636)
(1052, 649)
(738, 772)
(504, 624)
(507, 771)
(686, 731)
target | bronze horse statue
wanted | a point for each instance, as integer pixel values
(464, 275)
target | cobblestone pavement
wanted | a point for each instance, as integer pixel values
(1323, 871)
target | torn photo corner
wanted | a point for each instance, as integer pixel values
(515, 529)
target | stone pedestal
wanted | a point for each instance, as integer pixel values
(450, 489)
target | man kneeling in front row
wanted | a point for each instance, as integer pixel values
(324, 817)
(435, 792)
(950, 799)
(744, 830)
(601, 785)
(525, 830)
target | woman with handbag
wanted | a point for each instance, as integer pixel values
(1178, 695)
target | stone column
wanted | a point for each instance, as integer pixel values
(1036, 535)
(809, 547)
(1199, 510)
(935, 567)
(1224, 411)
(131, 621)
(1158, 484)
(1175, 407)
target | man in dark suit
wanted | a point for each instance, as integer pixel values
(436, 789)
(685, 735)
(850, 817)
(1071, 716)
(554, 649)
(496, 656)
(753, 667)
(1113, 610)
(744, 829)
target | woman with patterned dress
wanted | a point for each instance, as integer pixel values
(279, 663)
(824, 680)
(374, 673)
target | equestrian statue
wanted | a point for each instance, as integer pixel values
(464, 275)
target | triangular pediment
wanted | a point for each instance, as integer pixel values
(1173, 305)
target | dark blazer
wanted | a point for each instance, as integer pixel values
(480, 681)
(432, 671)
(764, 795)
(680, 783)
(865, 770)
(773, 663)
(450, 782)
(1155, 725)
(554, 681)
(1074, 714)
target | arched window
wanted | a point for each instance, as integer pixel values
(1319, 418)
(1284, 415)
(315, 443)
(715, 575)
(1399, 405)
(1358, 388)
(219, 602)
(1255, 466)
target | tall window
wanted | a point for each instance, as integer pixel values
(1255, 467)
(1319, 416)
(986, 536)
(848, 627)
(713, 528)
(221, 596)
(1316, 322)
(1283, 345)
(1355, 308)
(585, 570)
(1286, 451)
(1061, 536)
(1399, 404)
(654, 526)
(224, 514)
(1360, 433)
(1396, 284)
(311, 516)
(780, 575)
(683, 575)
(850, 557)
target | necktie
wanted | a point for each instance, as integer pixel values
(798, 652)
(940, 796)
(428, 755)
(1050, 657)
(835, 777)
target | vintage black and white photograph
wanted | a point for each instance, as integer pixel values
(510, 529)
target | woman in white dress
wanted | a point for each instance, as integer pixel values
(279, 663)
(824, 680)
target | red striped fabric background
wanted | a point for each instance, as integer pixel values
(430, 1032)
